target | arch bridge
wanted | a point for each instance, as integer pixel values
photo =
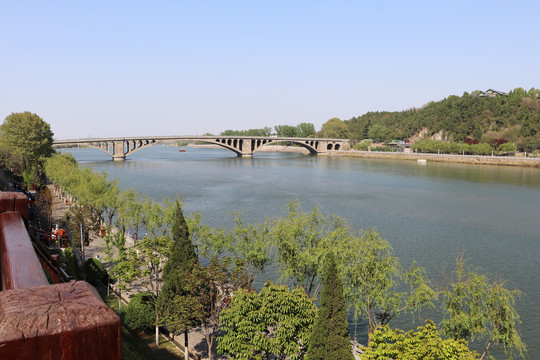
(243, 146)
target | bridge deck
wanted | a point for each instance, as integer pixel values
(243, 146)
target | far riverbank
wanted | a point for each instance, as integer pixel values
(461, 159)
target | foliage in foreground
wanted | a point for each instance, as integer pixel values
(140, 312)
(425, 344)
(372, 277)
(371, 273)
(478, 309)
(183, 315)
(94, 271)
(275, 322)
(72, 268)
(330, 335)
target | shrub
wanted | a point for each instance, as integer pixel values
(141, 312)
(481, 149)
(465, 149)
(452, 148)
(95, 272)
(362, 146)
(507, 147)
(72, 268)
(529, 144)
(384, 149)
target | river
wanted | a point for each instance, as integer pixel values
(429, 213)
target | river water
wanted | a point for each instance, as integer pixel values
(429, 213)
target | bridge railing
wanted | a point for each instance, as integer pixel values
(42, 321)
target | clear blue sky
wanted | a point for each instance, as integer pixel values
(130, 68)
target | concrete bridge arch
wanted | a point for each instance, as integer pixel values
(243, 146)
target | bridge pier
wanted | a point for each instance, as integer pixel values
(118, 151)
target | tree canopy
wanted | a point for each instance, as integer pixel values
(335, 129)
(26, 139)
(274, 321)
(425, 343)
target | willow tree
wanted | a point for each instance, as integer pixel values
(477, 308)
(302, 240)
(251, 243)
(373, 277)
(153, 250)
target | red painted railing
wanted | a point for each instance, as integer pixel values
(41, 321)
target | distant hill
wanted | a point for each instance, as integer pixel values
(489, 116)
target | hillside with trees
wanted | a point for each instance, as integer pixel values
(492, 118)
(471, 118)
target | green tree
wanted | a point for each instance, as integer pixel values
(217, 283)
(482, 149)
(124, 270)
(372, 277)
(335, 129)
(507, 147)
(518, 92)
(286, 131)
(109, 253)
(45, 200)
(478, 309)
(306, 130)
(275, 322)
(181, 261)
(183, 253)
(130, 211)
(379, 132)
(81, 215)
(152, 253)
(302, 241)
(28, 140)
(425, 343)
(251, 243)
(330, 335)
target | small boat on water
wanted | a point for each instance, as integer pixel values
(182, 150)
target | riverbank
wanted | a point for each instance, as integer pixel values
(460, 159)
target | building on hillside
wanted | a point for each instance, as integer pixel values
(492, 93)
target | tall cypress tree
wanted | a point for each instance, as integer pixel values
(330, 336)
(182, 255)
(176, 302)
